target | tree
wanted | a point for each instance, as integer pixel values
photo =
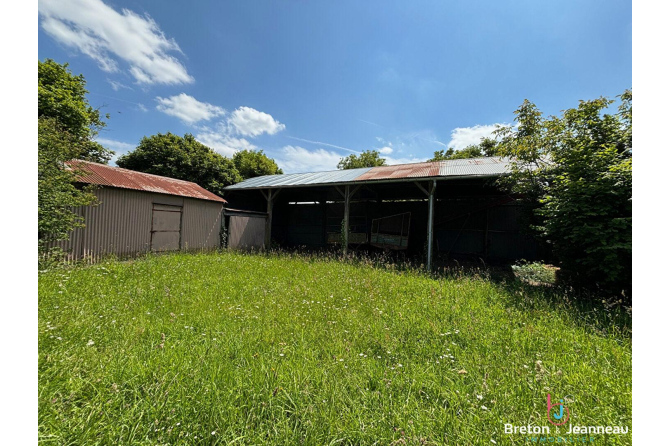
(577, 171)
(367, 158)
(57, 195)
(471, 151)
(487, 147)
(61, 96)
(251, 163)
(182, 158)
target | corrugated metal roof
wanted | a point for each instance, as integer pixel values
(416, 170)
(104, 175)
(474, 166)
(301, 179)
(450, 168)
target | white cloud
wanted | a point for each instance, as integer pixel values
(298, 159)
(394, 161)
(251, 122)
(224, 136)
(116, 145)
(385, 150)
(119, 147)
(188, 109)
(461, 137)
(322, 144)
(116, 86)
(142, 108)
(223, 143)
(108, 37)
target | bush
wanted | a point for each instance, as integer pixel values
(576, 173)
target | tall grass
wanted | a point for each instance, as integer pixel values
(289, 349)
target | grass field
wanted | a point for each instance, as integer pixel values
(282, 349)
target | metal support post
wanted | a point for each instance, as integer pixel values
(431, 205)
(347, 199)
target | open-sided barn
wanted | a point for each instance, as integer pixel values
(140, 212)
(451, 208)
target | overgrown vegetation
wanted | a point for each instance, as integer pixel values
(576, 173)
(67, 125)
(57, 195)
(286, 349)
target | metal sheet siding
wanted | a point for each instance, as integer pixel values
(121, 224)
(201, 225)
(246, 232)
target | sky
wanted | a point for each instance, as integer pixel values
(312, 82)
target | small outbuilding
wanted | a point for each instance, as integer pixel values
(140, 212)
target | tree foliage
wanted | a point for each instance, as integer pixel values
(576, 169)
(251, 163)
(57, 194)
(367, 158)
(61, 96)
(487, 147)
(183, 158)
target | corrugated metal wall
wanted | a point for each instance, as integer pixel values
(201, 224)
(121, 224)
(246, 232)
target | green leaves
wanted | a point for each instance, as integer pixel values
(57, 195)
(183, 158)
(367, 158)
(62, 96)
(576, 173)
(251, 163)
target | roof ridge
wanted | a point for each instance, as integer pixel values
(106, 175)
(136, 171)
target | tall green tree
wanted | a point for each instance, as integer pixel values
(252, 163)
(577, 171)
(57, 195)
(61, 96)
(183, 158)
(367, 158)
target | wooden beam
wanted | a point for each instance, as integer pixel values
(347, 199)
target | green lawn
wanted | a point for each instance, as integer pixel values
(252, 349)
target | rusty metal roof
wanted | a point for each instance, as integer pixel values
(104, 175)
(416, 170)
(489, 166)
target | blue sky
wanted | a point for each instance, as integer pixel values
(310, 82)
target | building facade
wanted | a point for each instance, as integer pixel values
(138, 213)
